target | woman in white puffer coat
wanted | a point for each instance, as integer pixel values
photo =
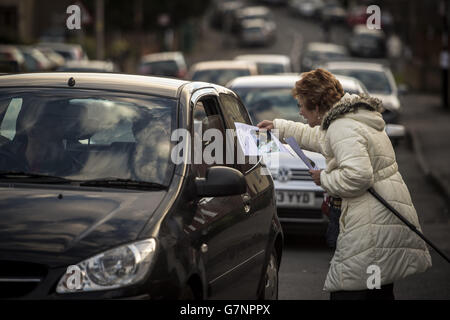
(348, 130)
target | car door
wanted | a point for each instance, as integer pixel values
(219, 222)
(259, 198)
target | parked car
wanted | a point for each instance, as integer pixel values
(316, 53)
(35, 60)
(89, 66)
(250, 13)
(223, 13)
(221, 71)
(90, 190)
(11, 59)
(55, 58)
(378, 80)
(167, 64)
(299, 199)
(68, 51)
(268, 63)
(309, 8)
(367, 43)
(257, 32)
(333, 11)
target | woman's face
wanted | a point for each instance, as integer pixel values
(312, 116)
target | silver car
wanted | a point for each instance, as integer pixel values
(268, 63)
(299, 199)
(378, 80)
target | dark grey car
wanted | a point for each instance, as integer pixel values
(93, 205)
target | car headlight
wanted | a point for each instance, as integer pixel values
(115, 268)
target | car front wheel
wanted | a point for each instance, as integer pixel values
(270, 286)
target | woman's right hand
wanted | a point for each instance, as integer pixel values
(266, 124)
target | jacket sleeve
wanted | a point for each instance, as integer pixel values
(354, 173)
(308, 138)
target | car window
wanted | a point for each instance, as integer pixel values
(8, 124)
(374, 81)
(234, 111)
(87, 134)
(209, 136)
(270, 68)
(160, 68)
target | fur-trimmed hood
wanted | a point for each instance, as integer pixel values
(350, 104)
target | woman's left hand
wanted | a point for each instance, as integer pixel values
(315, 174)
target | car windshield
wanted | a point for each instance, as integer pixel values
(86, 134)
(270, 103)
(219, 76)
(270, 68)
(160, 68)
(374, 81)
(252, 30)
(325, 55)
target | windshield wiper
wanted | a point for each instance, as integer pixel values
(122, 183)
(18, 176)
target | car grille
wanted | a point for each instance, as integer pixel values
(297, 175)
(17, 279)
(300, 174)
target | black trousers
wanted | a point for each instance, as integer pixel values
(385, 293)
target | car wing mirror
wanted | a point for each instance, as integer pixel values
(221, 181)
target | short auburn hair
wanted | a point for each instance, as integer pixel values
(318, 88)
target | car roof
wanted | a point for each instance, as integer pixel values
(356, 65)
(325, 47)
(175, 55)
(101, 81)
(256, 10)
(286, 81)
(254, 23)
(223, 64)
(269, 58)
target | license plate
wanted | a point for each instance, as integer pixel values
(295, 199)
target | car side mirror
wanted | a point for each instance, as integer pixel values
(221, 181)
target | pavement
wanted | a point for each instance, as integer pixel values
(428, 131)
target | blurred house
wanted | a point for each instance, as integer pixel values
(28, 20)
(419, 25)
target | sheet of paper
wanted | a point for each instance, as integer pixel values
(294, 145)
(255, 142)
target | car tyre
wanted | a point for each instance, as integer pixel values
(269, 289)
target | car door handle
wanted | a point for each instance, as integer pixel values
(247, 202)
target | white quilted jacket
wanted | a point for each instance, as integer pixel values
(359, 155)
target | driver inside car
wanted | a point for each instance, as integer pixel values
(40, 145)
